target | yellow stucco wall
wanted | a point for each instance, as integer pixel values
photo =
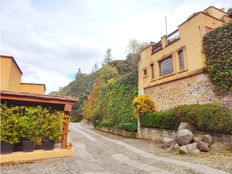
(14, 78)
(11, 78)
(5, 72)
(215, 12)
(191, 33)
(32, 88)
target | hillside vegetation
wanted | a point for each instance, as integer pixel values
(106, 93)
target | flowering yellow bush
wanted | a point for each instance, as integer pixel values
(110, 81)
(142, 104)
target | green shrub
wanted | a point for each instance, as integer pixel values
(205, 117)
(128, 126)
(33, 123)
(53, 124)
(9, 124)
(106, 124)
(217, 46)
(96, 122)
(162, 120)
(30, 123)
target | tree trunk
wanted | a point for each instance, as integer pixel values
(139, 126)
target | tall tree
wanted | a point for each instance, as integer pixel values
(108, 56)
(95, 67)
(229, 11)
(134, 48)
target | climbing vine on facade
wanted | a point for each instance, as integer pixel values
(217, 47)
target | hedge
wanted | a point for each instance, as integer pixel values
(30, 122)
(205, 117)
(217, 46)
(126, 126)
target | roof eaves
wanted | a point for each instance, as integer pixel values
(25, 94)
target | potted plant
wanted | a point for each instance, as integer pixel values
(27, 134)
(8, 124)
(52, 129)
(30, 128)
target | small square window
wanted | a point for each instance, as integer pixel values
(181, 59)
(152, 71)
(145, 72)
(208, 29)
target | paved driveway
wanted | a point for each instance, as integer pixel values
(101, 153)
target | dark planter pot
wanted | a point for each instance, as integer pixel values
(18, 146)
(6, 148)
(38, 146)
(28, 146)
(48, 144)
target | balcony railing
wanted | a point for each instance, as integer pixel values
(156, 47)
(173, 37)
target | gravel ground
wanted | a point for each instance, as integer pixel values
(52, 166)
(219, 160)
(100, 152)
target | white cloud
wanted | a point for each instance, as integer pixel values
(51, 39)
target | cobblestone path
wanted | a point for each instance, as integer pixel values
(102, 153)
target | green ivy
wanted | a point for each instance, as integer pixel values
(217, 46)
(117, 98)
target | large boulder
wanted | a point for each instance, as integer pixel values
(173, 148)
(203, 146)
(219, 147)
(185, 125)
(183, 150)
(197, 138)
(184, 136)
(168, 140)
(196, 151)
(207, 139)
(189, 148)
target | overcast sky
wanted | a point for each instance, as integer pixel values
(51, 39)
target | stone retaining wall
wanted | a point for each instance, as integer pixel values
(120, 132)
(196, 89)
(158, 134)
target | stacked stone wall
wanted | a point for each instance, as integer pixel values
(195, 89)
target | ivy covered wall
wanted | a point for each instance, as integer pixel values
(118, 98)
(217, 47)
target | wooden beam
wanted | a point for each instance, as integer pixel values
(68, 107)
(64, 140)
(31, 99)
